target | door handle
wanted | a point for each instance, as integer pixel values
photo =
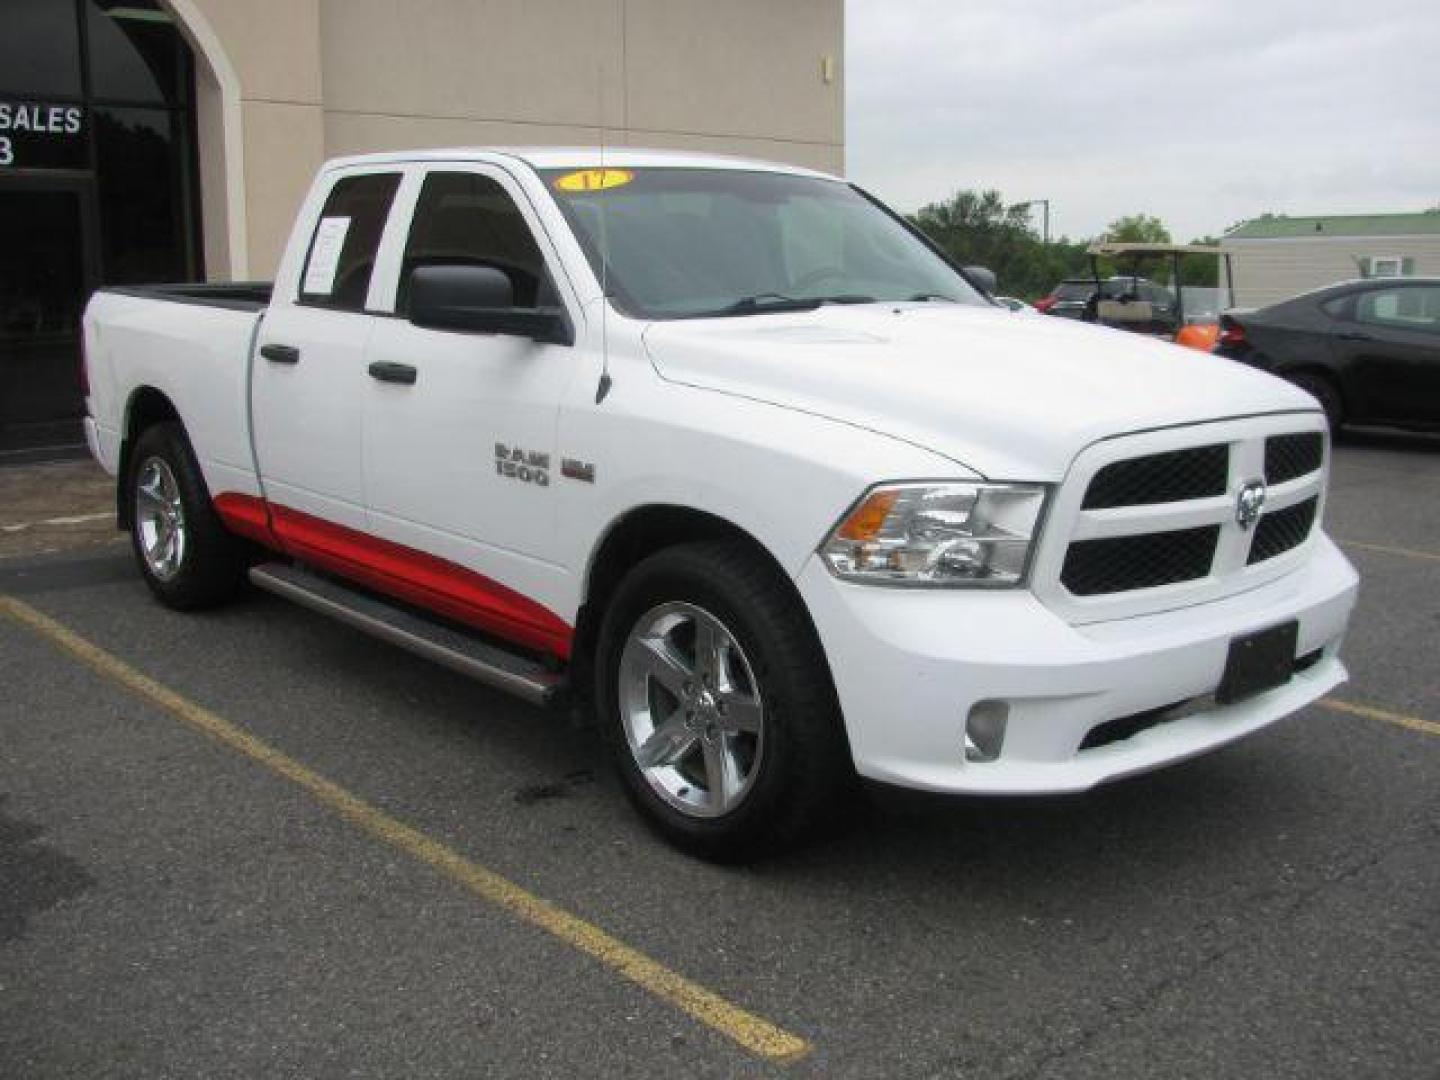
(386, 371)
(1354, 335)
(280, 354)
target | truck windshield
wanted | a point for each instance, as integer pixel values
(675, 243)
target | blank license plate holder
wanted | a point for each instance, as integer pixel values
(1258, 662)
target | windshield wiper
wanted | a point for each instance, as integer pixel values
(767, 302)
(933, 296)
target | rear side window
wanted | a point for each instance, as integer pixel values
(342, 251)
(1413, 307)
(466, 219)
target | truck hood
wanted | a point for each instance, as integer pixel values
(1008, 397)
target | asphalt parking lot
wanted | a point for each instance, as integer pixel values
(254, 843)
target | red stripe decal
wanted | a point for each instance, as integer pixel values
(404, 573)
(245, 515)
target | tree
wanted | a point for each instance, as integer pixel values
(1138, 229)
(977, 221)
(978, 228)
(1200, 270)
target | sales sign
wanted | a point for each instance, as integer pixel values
(37, 135)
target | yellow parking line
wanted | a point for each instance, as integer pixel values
(1414, 723)
(1409, 553)
(754, 1033)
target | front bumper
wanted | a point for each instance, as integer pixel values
(910, 664)
(103, 444)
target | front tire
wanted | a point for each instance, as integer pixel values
(185, 555)
(716, 698)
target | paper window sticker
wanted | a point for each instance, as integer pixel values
(325, 256)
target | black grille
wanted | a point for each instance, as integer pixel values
(1289, 456)
(1194, 473)
(1282, 530)
(1113, 564)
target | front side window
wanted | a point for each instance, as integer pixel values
(686, 243)
(1414, 308)
(467, 219)
(347, 236)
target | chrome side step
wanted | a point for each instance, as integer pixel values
(456, 650)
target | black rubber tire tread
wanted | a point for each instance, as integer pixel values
(215, 562)
(1324, 390)
(807, 781)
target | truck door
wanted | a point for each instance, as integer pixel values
(1391, 344)
(460, 428)
(309, 378)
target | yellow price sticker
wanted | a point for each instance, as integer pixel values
(594, 180)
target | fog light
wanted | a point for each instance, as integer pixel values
(985, 730)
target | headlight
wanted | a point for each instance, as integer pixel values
(961, 534)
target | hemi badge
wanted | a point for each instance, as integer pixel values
(577, 470)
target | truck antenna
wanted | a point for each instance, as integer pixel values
(603, 387)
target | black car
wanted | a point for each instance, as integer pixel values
(1368, 350)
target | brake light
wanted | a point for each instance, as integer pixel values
(1045, 303)
(1233, 335)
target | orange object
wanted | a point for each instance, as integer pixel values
(869, 516)
(1200, 336)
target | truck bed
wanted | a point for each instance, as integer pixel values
(191, 344)
(236, 295)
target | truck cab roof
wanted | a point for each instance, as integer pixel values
(560, 157)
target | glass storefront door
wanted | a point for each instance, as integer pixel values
(47, 270)
(97, 187)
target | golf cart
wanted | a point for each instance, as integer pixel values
(1159, 303)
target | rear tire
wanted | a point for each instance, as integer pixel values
(184, 552)
(1324, 391)
(714, 693)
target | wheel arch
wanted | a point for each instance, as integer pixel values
(146, 407)
(634, 536)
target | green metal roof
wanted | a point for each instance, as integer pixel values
(1271, 228)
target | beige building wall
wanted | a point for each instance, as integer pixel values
(304, 80)
(1269, 270)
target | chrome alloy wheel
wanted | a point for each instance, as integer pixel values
(159, 518)
(691, 709)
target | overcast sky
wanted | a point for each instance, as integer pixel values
(1203, 113)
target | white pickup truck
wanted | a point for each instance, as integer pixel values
(728, 452)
